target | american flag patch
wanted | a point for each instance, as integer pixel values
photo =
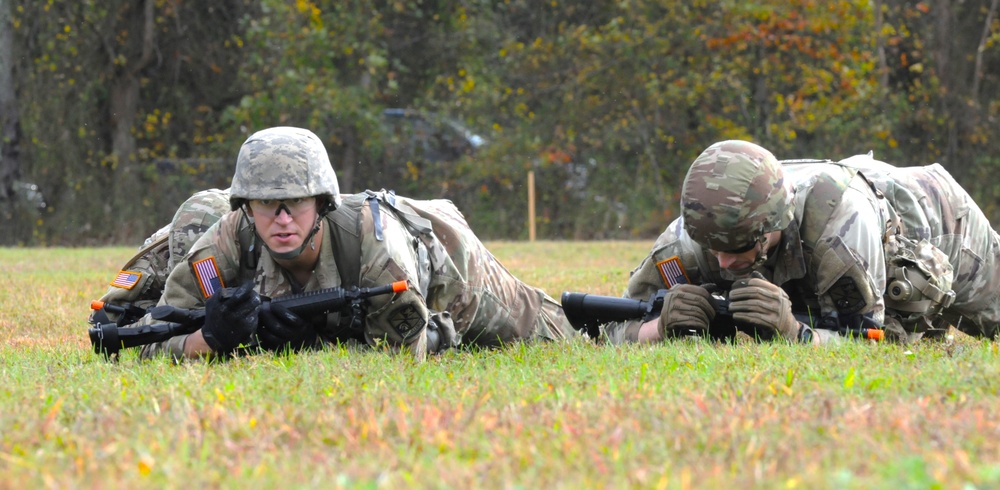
(207, 273)
(126, 279)
(672, 272)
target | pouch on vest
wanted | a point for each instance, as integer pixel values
(919, 278)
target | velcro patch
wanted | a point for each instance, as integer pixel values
(126, 279)
(406, 320)
(846, 296)
(208, 276)
(672, 272)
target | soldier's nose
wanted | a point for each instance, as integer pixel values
(726, 260)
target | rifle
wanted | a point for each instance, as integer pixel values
(588, 312)
(109, 338)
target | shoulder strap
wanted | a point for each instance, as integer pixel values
(415, 223)
(157, 240)
(249, 251)
(345, 230)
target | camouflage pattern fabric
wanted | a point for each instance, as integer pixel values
(449, 270)
(837, 261)
(193, 218)
(840, 271)
(163, 249)
(733, 194)
(283, 163)
(933, 207)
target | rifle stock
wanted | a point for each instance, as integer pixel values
(109, 338)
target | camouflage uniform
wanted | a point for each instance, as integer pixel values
(141, 280)
(448, 267)
(832, 257)
(933, 208)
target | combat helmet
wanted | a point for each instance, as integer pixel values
(192, 219)
(734, 194)
(283, 163)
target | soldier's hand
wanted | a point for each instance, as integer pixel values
(441, 334)
(280, 329)
(686, 307)
(230, 317)
(764, 305)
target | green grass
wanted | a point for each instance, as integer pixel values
(686, 414)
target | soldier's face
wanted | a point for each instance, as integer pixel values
(737, 263)
(283, 224)
(742, 263)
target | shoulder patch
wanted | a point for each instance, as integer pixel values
(846, 296)
(406, 320)
(126, 279)
(672, 272)
(207, 272)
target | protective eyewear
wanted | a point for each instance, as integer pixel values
(750, 246)
(293, 207)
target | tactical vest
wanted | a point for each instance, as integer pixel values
(918, 274)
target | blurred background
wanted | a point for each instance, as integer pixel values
(112, 112)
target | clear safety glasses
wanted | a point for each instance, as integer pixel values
(293, 207)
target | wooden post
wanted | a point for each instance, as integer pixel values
(531, 205)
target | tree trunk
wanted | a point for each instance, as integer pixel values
(125, 92)
(124, 104)
(10, 164)
(977, 74)
(125, 98)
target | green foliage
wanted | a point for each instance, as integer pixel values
(118, 99)
(607, 102)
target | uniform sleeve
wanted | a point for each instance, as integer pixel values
(398, 320)
(217, 250)
(646, 279)
(641, 288)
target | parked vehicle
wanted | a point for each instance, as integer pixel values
(425, 136)
(29, 195)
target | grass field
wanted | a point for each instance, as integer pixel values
(687, 414)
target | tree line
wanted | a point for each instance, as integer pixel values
(114, 111)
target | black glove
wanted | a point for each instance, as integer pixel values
(280, 329)
(230, 317)
(685, 307)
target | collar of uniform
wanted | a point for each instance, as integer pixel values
(275, 283)
(789, 261)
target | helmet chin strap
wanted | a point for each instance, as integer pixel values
(762, 255)
(292, 254)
